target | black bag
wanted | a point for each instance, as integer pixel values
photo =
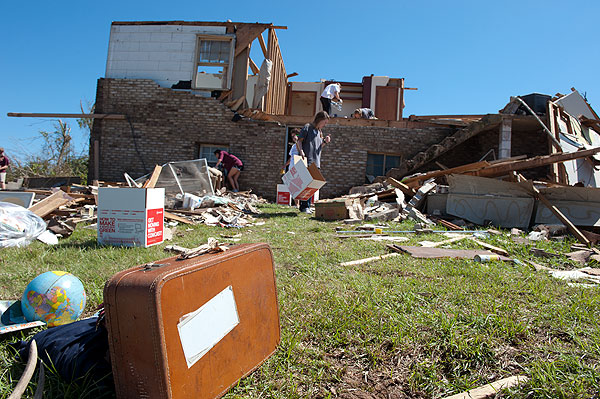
(75, 350)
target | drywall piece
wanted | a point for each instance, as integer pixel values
(581, 205)
(479, 200)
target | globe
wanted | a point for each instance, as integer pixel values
(53, 297)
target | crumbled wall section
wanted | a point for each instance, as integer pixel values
(165, 125)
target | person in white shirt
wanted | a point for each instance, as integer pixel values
(331, 92)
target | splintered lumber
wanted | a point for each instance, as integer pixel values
(151, 182)
(403, 187)
(49, 204)
(574, 230)
(505, 168)
(367, 260)
(490, 390)
(179, 219)
(416, 181)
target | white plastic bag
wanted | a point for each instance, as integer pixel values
(18, 226)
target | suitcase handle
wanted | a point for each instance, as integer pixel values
(152, 266)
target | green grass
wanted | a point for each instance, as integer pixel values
(399, 327)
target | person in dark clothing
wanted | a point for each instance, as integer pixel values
(232, 165)
(4, 163)
(310, 144)
(363, 113)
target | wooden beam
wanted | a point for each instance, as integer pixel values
(291, 75)
(574, 230)
(411, 182)
(263, 46)
(505, 168)
(245, 35)
(91, 116)
(253, 66)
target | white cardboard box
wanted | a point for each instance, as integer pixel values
(303, 182)
(131, 217)
(283, 195)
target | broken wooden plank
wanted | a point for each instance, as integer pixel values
(49, 204)
(367, 260)
(403, 187)
(490, 390)
(574, 230)
(440, 243)
(171, 216)
(432, 253)
(492, 248)
(151, 182)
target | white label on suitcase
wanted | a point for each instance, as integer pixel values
(202, 329)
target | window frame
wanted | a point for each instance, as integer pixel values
(213, 147)
(385, 157)
(227, 67)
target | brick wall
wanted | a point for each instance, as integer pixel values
(165, 125)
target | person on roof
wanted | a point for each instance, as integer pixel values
(363, 113)
(331, 92)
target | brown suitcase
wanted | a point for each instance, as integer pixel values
(172, 325)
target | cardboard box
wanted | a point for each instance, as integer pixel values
(283, 195)
(131, 217)
(303, 182)
(332, 209)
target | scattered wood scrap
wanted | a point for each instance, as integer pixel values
(47, 205)
(432, 253)
(490, 390)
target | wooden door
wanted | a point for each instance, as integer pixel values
(386, 103)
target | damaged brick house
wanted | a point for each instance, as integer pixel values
(176, 90)
(171, 89)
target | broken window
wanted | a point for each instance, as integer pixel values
(379, 164)
(207, 151)
(214, 56)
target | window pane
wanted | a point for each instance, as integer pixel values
(214, 51)
(391, 161)
(208, 152)
(375, 164)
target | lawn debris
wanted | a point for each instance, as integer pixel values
(490, 390)
(428, 252)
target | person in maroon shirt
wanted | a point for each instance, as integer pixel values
(4, 162)
(232, 165)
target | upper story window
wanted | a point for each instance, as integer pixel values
(214, 58)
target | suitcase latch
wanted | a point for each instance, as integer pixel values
(151, 266)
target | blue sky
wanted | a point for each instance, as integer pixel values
(465, 57)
